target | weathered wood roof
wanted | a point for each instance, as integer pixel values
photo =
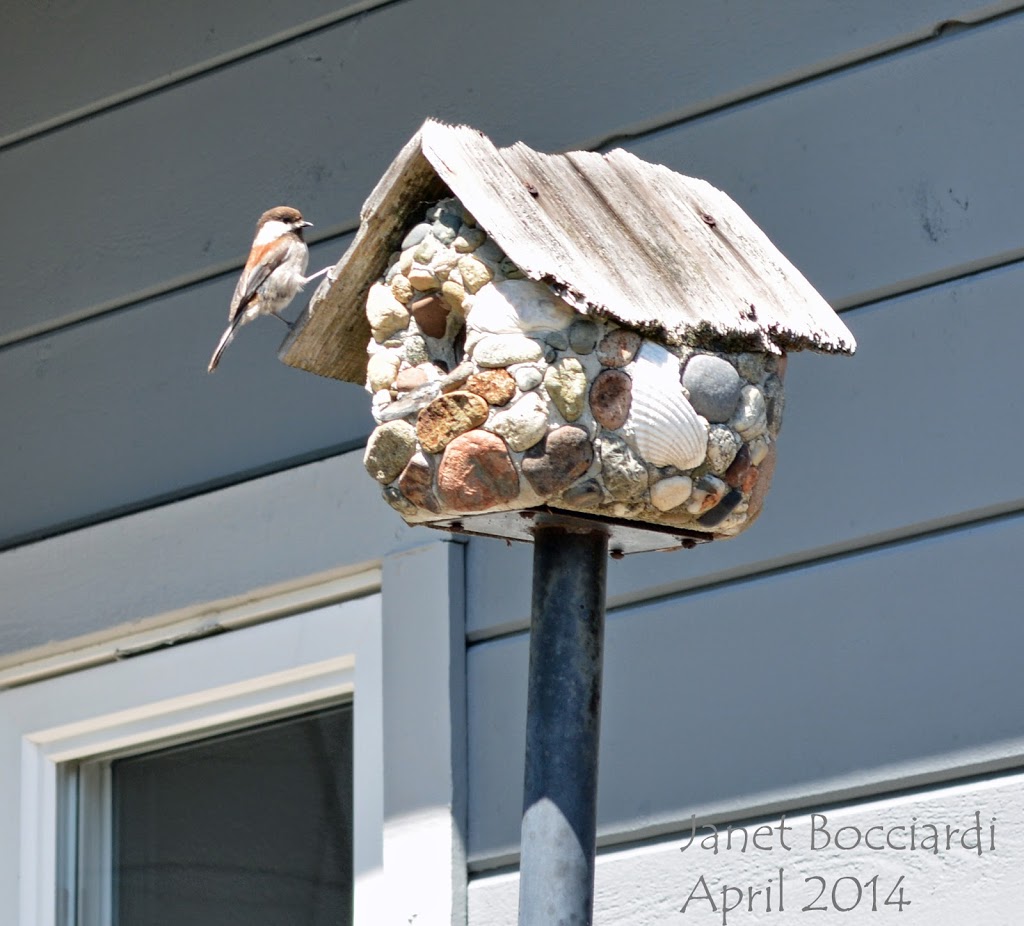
(615, 236)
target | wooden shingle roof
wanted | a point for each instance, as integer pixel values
(615, 236)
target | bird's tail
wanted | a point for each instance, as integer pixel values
(225, 340)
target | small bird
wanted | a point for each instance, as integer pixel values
(273, 274)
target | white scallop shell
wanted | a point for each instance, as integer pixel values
(518, 307)
(666, 429)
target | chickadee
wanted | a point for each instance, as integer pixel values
(273, 274)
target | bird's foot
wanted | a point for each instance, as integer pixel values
(319, 273)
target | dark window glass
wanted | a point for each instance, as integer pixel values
(253, 827)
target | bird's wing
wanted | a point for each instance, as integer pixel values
(262, 262)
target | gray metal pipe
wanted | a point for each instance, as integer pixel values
(563, 722)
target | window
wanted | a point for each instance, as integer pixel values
(250, 827)
(211, 781)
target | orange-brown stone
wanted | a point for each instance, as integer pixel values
(447, 417)
(431, 315)
(496, 387)
(476, 473)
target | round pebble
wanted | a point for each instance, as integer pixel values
(468, 239)
(610, 398)
(566, 383)
(381, 369)
(476, 473)
(670, 493)
(443, 233)
(496, 387)
(618, 347)
(751, 417)
(528, 376)
(416, 483)
(431, 314)
(583, 335)
(426, 250)
(723, 445)
(553, 465)
(585, 494)
(622, 471)
(443, 263)
(384, 312)
(722, 509)
(522, 424)
(401, 288)
(415, 350)
(454, 295)
(502, 350)
(415, 235)
(457, 377)
(557, 340)
(410, 378)
(714, 386)
(398, 501)
(475, 273)
(389, 449)
(447, 417)
(423, 279)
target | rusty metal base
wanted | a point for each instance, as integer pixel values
(623, 536)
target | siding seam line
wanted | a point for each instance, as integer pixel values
(971, 521)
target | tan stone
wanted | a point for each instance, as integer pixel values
(618, 347)
(389, 449)
(384, 312)
(447, 417)
(566, 383)
(382, 369)
(455, 295)
(475, 273)
(423, 280)
(401, 288)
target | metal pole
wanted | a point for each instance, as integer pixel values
(563, 720)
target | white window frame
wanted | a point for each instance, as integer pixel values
(281, 667)
(122, 595)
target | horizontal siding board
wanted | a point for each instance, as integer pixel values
(913, 431)
(648, 885)
(882, 177)
(154, 42)
(191, 556)
(839, 679)
(338, 115)
(120, 410)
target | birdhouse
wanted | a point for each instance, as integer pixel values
(578, 336)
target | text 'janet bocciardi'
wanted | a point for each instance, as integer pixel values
(841, 891)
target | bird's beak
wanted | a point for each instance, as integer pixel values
(305, 224)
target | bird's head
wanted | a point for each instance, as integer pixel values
(281, 220)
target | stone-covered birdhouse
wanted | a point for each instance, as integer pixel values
(585, 334)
